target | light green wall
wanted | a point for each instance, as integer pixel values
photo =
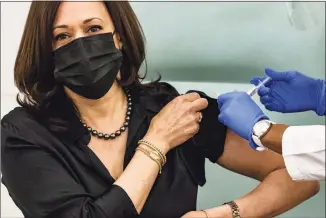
(217, 47)
(231, 41)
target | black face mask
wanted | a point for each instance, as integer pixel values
(88, 65)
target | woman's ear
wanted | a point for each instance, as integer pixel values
(120, 45)
(117, 41)
(119, 76)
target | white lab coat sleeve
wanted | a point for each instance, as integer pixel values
(303, 149)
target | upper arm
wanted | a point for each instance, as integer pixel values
(239, 157)
(221, 145)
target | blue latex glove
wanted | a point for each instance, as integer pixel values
(240, 113)
(292, 91)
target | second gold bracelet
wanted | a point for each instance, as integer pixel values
(149, 144)
(149, 154)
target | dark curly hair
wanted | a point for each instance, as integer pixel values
(34, 65)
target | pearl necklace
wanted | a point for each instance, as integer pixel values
(118, 132)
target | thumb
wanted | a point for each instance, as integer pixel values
(263, 90)
(223, 98)
(279, 76)
(221, 118)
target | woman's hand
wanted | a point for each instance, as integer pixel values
(177, 121)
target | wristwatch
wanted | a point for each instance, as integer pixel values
(260, 129)
(234, 209)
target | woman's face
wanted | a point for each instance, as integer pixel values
(80, 19)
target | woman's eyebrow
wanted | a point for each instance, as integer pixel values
(84, 22)
(90, 19)
(60, 26)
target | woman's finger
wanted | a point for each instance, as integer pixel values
(199, 104)
(190, 97)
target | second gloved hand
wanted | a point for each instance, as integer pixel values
(240, 113)
(292, 91)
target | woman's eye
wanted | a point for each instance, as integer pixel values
(61, 37)
(94, 29)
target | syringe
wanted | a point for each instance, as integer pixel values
(254, 90)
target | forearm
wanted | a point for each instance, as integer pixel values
(275, 195)
(139, 176)
(273, 139)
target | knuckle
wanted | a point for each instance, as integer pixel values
(179, 99)
(186, 107)
(196, 95)
(189, 107)
(176, 99)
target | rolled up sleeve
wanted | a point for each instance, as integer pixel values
(212, 133)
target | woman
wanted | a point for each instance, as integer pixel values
(90, 140)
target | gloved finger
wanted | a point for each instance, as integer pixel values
(279, 76)
(221, 117)
(225, 97)
(257, 80)
(223, 108)
(266, 99)
(221, 105)
(263, 90)
(270, 106)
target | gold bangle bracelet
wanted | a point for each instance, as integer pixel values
(147, 146)
(150, 156)
(153, 147)
(205, 213)
(151, 150)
